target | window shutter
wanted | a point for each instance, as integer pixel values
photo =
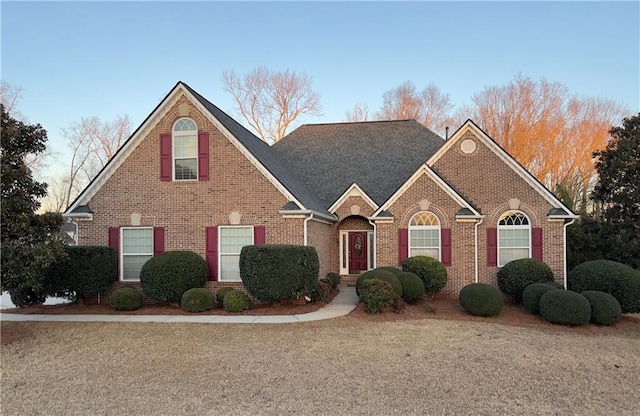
(211, 239)
(203, 156)
(158, 240)
(445, 244)
(114, 242)
(536, 246)
(492, 246)
(403, 245)
(165, 157)
(259, 235)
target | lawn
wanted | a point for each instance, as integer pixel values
(343, 366)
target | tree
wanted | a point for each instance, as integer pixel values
(618, 189)
(29, 242)
(360, 112)
(430, 106)
(271, 101)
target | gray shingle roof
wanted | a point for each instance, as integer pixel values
(379, 156)
(263, 152)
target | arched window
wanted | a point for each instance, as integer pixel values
(424, 235)
(185, 150)
(514, 237)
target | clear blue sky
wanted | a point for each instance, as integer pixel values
(83, 59)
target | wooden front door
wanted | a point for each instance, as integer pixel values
(357, 251)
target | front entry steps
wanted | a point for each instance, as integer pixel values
(349, 279)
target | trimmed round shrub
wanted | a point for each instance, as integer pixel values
(197, 300)
(532, 294)
(605, 309)
(554, 284)
(220, 294)
(431, 271)
(377, 295)
(617, 279)
(333, 279)
(481, 299)
(272, 273)
(516, 275)
(412, 287)
(383, 275)
(391, 269)
(565, 307)
(167, 276)
(126, 299)
(236, 301)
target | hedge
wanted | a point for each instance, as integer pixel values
(565, 307)
(272, 273)
(167, 276)
(383, 275)
(605, 309)
(481, 299)
(431, 271)
(516, 275)
(412, 287)
(532, 294)
(126, 299)
(197, 300)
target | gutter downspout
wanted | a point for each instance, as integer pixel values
(306, 233)
(375, 243)
(564, 249)
(476, 248)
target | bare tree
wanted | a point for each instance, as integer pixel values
(430, 106)
(550, 132)
(92, 143)
(360, 112)
(271, 101)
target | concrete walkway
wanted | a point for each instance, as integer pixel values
(341, 305)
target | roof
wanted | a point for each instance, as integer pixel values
(379, 156)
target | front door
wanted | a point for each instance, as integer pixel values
(357, 251)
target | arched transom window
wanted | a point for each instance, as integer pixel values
(185, 150)
(514, 237)
(424, 235)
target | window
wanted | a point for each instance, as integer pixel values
(185, 150)
(424, 235)
(137, 248)
(232, 239)
(514, 237)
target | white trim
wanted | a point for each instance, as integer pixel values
(297, 213)
(343, 239)
(219, 254)
(353, 190)
(499, 227)
(121, 251)
(173, 149)
(79, 216)
(341, 249)
(564, 250)
(476, 260)
(438, 228)
(470, 126)
(424, 169)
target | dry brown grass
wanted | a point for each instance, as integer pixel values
(340, 366)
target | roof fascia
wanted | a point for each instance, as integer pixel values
(354, 186)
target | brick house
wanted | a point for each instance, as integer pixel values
(364, 194)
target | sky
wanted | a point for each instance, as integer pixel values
(84, 59)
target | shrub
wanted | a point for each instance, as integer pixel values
(514, 276)
(167, 276)
(197, 300)
(333, 280)
(273, 273)
(412, 287)
(391, 269)
(83, 273)
(532, 294)
(431, 271)
(321, 291)
(220, 294)
(481, 299)
(377, 295)
(126, 299)
(554, 284)
(612, 277)
(605, 309)
(383, 275)
(565, 307)
(236, 301)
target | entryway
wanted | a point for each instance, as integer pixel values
(356, 251)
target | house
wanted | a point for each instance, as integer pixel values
(364, 194)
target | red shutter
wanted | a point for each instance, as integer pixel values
(114, 242)
(211, 239)
(403, 245)
(203, 156)
(259, 235)
(536, 240)
(492, 246)
(158, 240)
(445, 243)
(165, 157)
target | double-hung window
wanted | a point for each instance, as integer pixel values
(424, 235)
(231, 240)
(185, 150)
(514, 237)
(137, 248)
